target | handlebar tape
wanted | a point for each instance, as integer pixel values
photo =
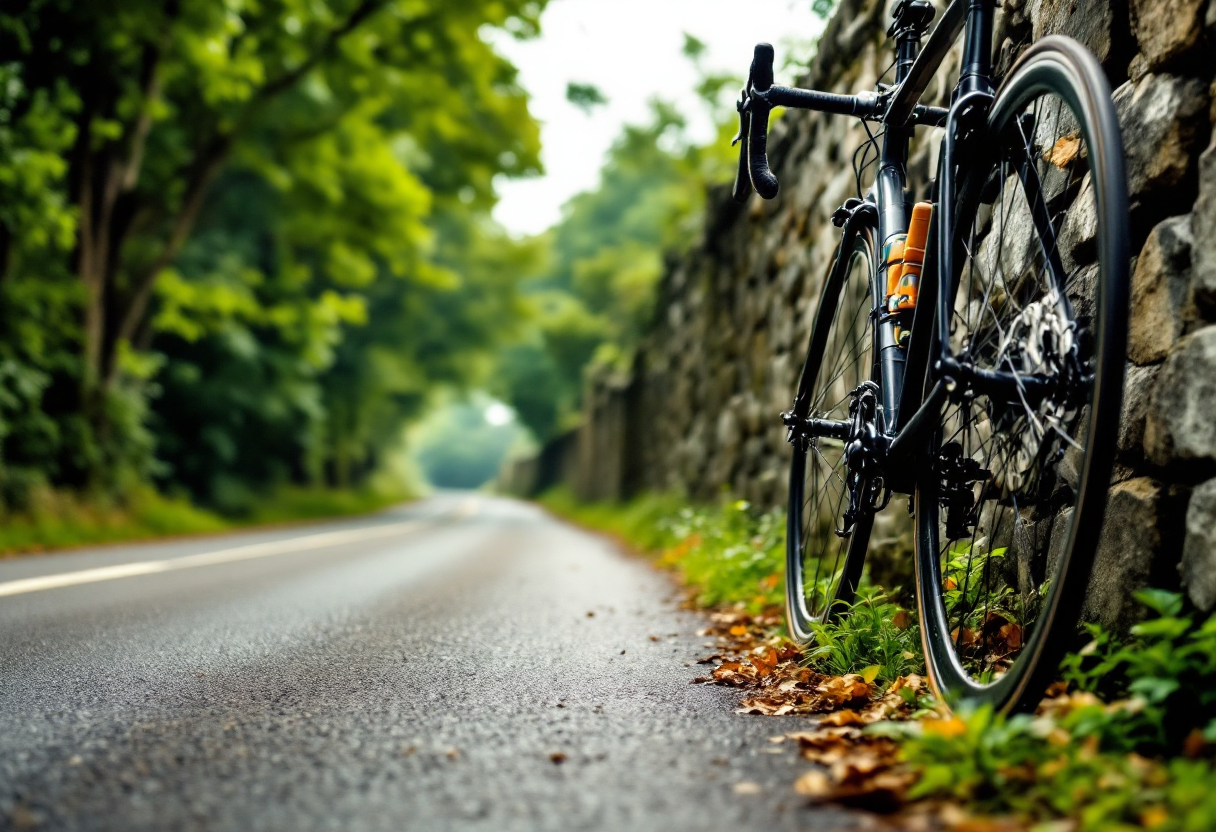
(761, 80)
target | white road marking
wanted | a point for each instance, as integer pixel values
(236, 553)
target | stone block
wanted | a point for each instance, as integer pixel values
(1138, 386)
(1160, 118)
(1166, 29)
(1092, 22)
(1180, 426)
(1203, 224)
(1161, 291)
(1199, 547)
(1128, 545)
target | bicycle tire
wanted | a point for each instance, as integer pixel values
(846, 299)
(1041, 528)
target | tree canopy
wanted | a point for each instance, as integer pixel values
(240, 241)
(592, 298)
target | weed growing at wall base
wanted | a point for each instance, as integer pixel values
(59, 520)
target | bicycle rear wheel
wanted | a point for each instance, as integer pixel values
(822, 567)
(1008, 521)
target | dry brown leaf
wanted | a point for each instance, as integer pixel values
(950, 727)
(840, 718)
(1195, 744)
(902, 620)
(814, 783)
(1064, 151)
(967, 639)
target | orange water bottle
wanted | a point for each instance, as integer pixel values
(908, 281)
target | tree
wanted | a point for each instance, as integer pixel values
(191, 176)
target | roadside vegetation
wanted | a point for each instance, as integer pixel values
(1125, 740)
(241, 246)
(59, 520)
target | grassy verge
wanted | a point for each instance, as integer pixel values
(1126, 741)
(56, 520)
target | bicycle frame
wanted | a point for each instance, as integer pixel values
(908, 413)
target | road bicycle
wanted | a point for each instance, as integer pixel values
(967, 351)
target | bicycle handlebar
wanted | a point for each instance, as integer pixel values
(753, 129)
(761, 95)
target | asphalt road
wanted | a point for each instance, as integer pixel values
(421, 669)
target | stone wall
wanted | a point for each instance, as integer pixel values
(699, 412)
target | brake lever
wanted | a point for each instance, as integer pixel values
(743, 181)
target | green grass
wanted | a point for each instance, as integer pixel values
(61, 520)
(727, 554)
(876, 632)
(57, 520)
(293, 504)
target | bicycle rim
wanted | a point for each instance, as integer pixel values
(823, 568)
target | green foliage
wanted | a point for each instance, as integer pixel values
(731, 553)
(592, 296)
(242, 243)
(1107, 766)
(293, 503)
(57, 520)
(1040, 769)
(869, 636)
(52, 520)
(585, 96)
(728, 554)
(1167, 668)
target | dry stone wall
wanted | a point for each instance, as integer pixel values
(699, 411)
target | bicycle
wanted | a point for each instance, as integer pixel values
(982, 377)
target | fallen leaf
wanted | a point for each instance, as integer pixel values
(967, 639)
(1154, 816)
(813, 784)
(1195, 744)
(1064, 151)
(951, 727)
(901, 620)
(839, 718)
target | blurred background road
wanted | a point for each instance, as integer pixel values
(463, 662)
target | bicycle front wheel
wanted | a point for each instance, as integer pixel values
(1008, 519)
(823, 567)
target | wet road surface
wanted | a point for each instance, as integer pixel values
(461, 663)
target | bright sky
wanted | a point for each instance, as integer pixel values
(630, 49)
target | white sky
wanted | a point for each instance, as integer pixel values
(630, 49)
